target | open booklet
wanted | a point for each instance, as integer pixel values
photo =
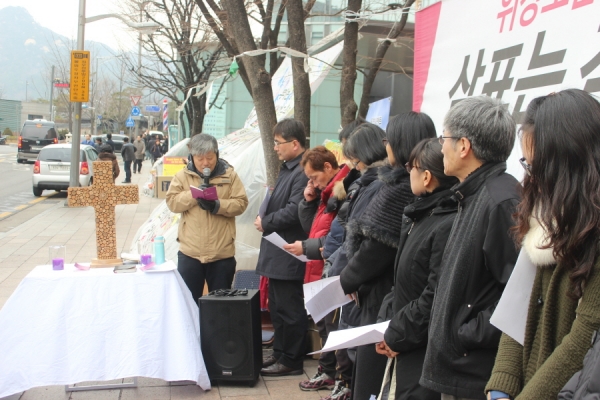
(210, 193)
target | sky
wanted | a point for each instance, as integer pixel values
(61, 17)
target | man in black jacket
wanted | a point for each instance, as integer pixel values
(285, 272)
(480, 254)
(128, 154)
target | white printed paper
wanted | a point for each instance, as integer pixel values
(510, 315)
(360, 336)
(323, 296)
(279, 242)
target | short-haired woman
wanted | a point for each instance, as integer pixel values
(558, 225)
(206, 232)
(425, 229)
(372, 239)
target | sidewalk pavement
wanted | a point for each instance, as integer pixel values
(25, 246)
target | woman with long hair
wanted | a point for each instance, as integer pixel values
(558, 226)
(424, 233)
(372, 241)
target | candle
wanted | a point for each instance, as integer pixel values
(58, 264)
(146, 259)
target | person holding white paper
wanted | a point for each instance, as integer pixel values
(425, 229)
(284, 271)
(558, 223)
(373, 238)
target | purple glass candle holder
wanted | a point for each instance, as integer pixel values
(58, 255)
(145, 259)
(58, 264)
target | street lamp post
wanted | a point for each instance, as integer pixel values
(82, 20)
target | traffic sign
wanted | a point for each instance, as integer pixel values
(80, 76)
(129, 123)
(152, 108)
(99, 116)
(135, 100)
(135, 111)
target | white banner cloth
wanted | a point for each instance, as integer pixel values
(514, 50)
(64, 327)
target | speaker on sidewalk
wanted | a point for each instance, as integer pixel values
(230, 335)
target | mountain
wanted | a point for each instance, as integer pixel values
(27, 51)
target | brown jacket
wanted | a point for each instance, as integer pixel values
(204, 236)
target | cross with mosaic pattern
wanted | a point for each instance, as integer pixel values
(104, 195)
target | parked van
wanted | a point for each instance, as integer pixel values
(35, 134)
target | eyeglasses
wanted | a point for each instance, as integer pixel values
(409, 167)
(354, 164)
(384, 141)
(442, 138)
(277, 144)
(526, 167)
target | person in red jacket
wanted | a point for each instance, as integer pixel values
(319, 207)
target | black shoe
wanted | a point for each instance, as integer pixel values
(278, 369)
(268, 361)
(126, 182)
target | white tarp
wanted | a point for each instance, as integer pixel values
(515, 50)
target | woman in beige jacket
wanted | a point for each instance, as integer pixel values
(206, 233)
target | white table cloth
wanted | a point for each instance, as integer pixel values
(64, 327)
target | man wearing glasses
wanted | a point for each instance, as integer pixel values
(285, 272)
(479, 135)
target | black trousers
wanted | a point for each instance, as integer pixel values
(368, 372)
(334, 363)
(137, 166)
(217, 274)
(290, 322)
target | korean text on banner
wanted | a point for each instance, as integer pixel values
(515, 50)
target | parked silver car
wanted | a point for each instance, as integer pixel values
(51, 169)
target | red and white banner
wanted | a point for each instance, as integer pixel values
(515, 50)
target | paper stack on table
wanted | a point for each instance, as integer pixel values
(323, 296)
(360, 336)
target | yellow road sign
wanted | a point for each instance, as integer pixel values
(80, 76)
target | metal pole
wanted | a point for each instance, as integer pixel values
(139, 69)
(76, 138)
(51, 92)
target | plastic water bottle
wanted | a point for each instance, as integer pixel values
(159, 250)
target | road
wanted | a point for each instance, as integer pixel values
(15, 187)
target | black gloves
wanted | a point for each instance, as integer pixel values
(208, 205)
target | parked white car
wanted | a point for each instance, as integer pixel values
(51, 170)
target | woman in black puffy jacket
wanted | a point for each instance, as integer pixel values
(425, 228)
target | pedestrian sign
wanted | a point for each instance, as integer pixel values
(135, 111)
(129, 123)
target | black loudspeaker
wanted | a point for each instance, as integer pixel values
(230, 335)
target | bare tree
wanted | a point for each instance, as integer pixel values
(230, 22)
(348, 106)
(181, 55)
(377, 61)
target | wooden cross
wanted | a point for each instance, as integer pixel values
(104, 196)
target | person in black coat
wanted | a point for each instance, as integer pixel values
(479, 135)
(425, 228)
(285, 272)
(373, 242)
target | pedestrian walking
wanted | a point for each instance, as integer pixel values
(140, 149)
(128, 154)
